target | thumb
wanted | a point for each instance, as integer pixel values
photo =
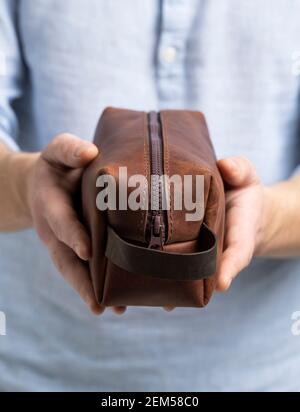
(238, 171)
(69, 150)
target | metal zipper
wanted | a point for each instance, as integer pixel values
(157, 217)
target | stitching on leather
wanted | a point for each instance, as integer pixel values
(167, 172)
(146, 169)
(207, 287)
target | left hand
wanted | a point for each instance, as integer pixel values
(245, 211)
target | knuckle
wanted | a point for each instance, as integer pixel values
(65, 149)
(57, 260)
(62, 143)
(56, 223)
(77, 233)
(250, 169)
(244, 160)
(56, 142)
(62, 138)
(59, 232)
(65, 228)
(66, 136)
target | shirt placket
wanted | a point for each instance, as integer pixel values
(177, 18)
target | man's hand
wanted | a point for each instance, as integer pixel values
(244, 217)
(263, 221)
(260, 221)
(52, 184)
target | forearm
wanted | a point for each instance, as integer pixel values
(280, 235)
(14, 172)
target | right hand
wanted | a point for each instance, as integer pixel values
(52, 184)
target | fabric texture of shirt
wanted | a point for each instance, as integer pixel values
(61, 63)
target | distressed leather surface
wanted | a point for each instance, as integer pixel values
(123, 140)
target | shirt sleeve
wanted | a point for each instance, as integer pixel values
(11, 72)
(296, 171)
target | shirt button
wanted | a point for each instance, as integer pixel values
(168, 54)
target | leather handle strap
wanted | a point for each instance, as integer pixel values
(161, 264)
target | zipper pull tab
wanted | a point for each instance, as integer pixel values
(156, 239)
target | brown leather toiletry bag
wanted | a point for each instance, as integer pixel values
(152, 254)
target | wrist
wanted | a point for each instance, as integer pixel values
(20, 168)
(270, 223)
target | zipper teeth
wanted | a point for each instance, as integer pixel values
(156, 147)
(156, 161)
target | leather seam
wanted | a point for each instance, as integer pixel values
(220, 187)
(146, 169)
(167, 173)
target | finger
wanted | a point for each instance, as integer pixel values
(75, 273)
(233, 261)
(238, 171)
(69, 150)
(64, 223)
(119, 310)
(239, 246)
(169, 308)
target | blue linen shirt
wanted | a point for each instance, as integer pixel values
(61, 63)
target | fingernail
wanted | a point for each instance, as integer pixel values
(96, 309)
(119, 310)
(84, 148)
(81, 252)
(227, 282)
(224, 284)
(169, 308)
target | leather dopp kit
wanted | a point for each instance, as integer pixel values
(153, 255)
